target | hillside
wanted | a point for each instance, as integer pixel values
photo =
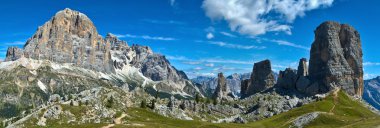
(336, 110)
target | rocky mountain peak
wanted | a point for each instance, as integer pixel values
(69, 37)
(14, 53)
(261, 79)
(222, 91)
(336, 58)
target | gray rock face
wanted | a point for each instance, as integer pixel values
(14, 53)
(287, 79)
(70, 37)
(151, 65)
(336, 58)
(261, 79)
(305, 119)
(234, 82)
(371, 92)
(222, 91)
(302, 68)
(116, 44)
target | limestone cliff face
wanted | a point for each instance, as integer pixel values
(70, 37)
(261, 79)
(14, 53)
(336, 59)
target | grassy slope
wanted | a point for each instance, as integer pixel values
(346, 113)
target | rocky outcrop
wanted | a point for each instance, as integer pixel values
(336, 59)
(222, 91)
(14, 53)
(116, 43)
(287, 79)
(70, 37)
(302, 68)
(208, 84)
(261, 79)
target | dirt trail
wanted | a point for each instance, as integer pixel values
(116, 121)
(335, 96)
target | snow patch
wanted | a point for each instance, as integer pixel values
(42, 86)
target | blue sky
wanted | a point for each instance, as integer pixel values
(204, 37)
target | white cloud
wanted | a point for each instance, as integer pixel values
(146, 37)
(210, 65)
(369, 76)
(257, 17)
(227, 34)
(196, 74)
(371, 64)
(210, 35)
(237, 46)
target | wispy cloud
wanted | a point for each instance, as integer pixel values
(192, 74)
(164, 22)
(146, 37)
(282, 42)
(227, 34)
(192, 62)
(371, 63)
(210, 65)
(369, 76)
(15, 43)
(237, 46)
(210, 60)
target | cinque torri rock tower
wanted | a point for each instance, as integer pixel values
(69, 37)
(336, 58)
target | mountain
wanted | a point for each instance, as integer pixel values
(67, 75)
(209, 84)
(71, 37)
(371, 92)
(66, 56)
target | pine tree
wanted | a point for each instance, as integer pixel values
(110, 102)
(143, 104)
(197, 98)
(153, 104)
(87, 103)
(215, 102)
